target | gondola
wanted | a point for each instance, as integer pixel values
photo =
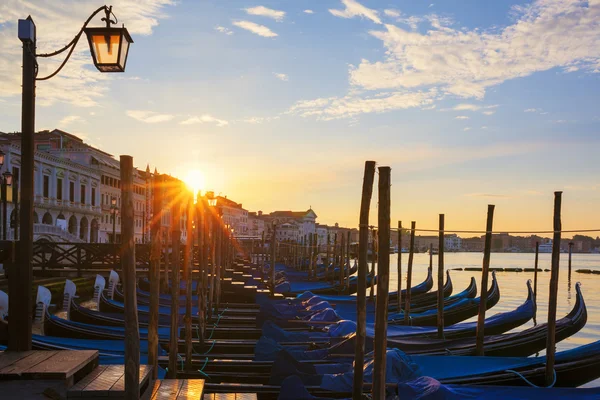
(494, 325)
(453, 313)
(518, 344)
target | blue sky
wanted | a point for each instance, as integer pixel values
(279, 103)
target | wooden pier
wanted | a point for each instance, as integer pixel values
(75, 374)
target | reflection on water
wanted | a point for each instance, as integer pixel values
(513, 289)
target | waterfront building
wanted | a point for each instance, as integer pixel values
(67, 194)
(256, 224)
(306, 220)
(452, 242)
(234, 215)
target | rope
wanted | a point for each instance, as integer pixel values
(211, 347)
(201, 370)
(531, 383)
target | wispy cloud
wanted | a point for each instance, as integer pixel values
(355, 9)
(257, 29)
(224, 30)
(456, 61)
(260, 120)
(69, 120)
(490, 112)
(468, 128)
(266, 12)
(532, 110)
(466, 62)
(149, 117)
(353, 105)
(206, 118)
(466, 107)
(461, 117)
(308, 11)
(392, 13)
(281, 77)
(489, 195)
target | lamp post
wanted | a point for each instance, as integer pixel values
(114, 210)
(109, 47)
(6, 181)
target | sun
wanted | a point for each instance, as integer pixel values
(195, 180)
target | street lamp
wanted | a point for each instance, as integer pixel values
(6, 181)
(114, 210)
(116, 43)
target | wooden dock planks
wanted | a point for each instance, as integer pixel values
(230, 396)
(45, 365)
(177, 389)
(107, 381)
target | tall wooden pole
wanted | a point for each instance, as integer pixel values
(273, 244)
(535, 277)
(176, 253)
(342, 256)
(348, 257)
(374, 257)
(132, 333)
(570, 255)
(411, 254)
(262, 255)
(327, 249)
(551, 338)
(202, 262)
(484, 281)
(189, 262)
(440, 280)
(218, 263)
(21, 272)
(155, 274)
(399, 266)
(383, 276)
(363, 267)
(334, 262)
(310, 254)
(431, 256)
(213, 264)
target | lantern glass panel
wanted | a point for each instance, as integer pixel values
(106, 48)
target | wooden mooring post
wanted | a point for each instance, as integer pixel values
(551, 338)
(361, 293)
(311, 238)
(176, 254)
(349, 266)
(373, 261)
(132, 333)
(399, 266)
(411, 253)
(202, 265)
(335, 259)
(154, 277)
(440, 280)
(327, 249)
(484, 281)
(273, 254)
(187, 268)
(570, 255)
(383, 276)
(535, 278)
(342, 257)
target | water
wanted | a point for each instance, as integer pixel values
(513, 289)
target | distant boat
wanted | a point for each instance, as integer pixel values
(393, 249)
(433, 251)
(545, 247)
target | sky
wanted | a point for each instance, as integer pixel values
(280, 103)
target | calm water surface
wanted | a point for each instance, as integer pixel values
(513, 289)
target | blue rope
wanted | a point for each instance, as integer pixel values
(529, 382)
